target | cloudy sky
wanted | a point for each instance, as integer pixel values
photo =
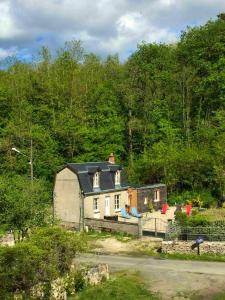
(104, 26)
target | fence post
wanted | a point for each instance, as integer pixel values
(155, 227)
(139, 227)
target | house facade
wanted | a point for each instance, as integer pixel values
(142, 196)
(98, 190)
(89, 190)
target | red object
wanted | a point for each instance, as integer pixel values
(188, 209)
(164, 208)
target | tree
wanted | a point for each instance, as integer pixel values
(23, 205)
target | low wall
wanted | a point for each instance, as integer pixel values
(116, 226)
(72, 225)
(186, 247)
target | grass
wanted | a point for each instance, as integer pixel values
(120, 236)
(179, 256)
(220, 296)
(120, 287)
(203, 257)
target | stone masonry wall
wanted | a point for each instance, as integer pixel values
(116, 226)
(184, 247)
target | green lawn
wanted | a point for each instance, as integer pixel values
(120, 236)
(122, 286)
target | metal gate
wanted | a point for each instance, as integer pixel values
(154, 227)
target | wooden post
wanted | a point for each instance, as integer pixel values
(139, 227)
(155, 227)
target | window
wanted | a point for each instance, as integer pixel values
(146, 200)
(117, 178)
(117, 202)
(95, 204)
(156, 195)
(96, 180)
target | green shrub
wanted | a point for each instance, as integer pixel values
(197, 199)
(198, 220)
(197, 202)
(150, 207)
(45, 256)
(123, 286)
(181, 218)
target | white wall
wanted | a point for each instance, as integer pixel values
(67, 196)
(88, 204)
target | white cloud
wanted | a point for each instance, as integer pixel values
(7, 52)
(105, 26)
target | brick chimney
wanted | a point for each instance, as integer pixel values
(112, 158)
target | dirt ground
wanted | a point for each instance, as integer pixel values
(113, 246)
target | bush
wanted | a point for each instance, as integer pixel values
(181, 218)
(198, 220)
(45, 256)
(150, 207)
(197, 199)
(123, 286)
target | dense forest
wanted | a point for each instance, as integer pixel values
(162, 112)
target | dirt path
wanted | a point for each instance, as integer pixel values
(173, 279)
(113, 246)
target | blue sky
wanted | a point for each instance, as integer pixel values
(104, 26)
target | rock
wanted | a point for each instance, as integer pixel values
(184, 247)
(97, 274)
(58, 291)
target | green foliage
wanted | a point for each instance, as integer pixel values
(181, 218)
(45, 256)
(79, 281)
(150, 207)
(162, 112)
(23, 205)
(197, 199)
(210, 217)
(123, 286)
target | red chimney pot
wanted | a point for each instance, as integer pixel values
(112, 158)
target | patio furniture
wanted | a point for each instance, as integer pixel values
(124, 214)
(188, 209)
(164, 208)
(135, 213)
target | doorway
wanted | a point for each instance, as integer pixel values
(107, 205)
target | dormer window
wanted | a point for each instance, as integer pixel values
(117, 178)
(96, 180)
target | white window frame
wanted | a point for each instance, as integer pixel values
(117, 177)
(96, 204)
(146, 200)
(156, 195)
(117, 202)
(96, 180)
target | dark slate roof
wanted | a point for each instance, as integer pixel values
(85, 173)
(147, 186)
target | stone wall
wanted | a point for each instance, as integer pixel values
(93, 275)
(114, 226)
(184, 247)
(97, 274)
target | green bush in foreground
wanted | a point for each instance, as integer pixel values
(123, 286)
(45, 256)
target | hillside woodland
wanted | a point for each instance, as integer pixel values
(162, 112)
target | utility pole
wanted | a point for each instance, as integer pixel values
(30, 160)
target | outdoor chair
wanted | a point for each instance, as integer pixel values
(135, 213)
(124, 214)
(164, 208)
